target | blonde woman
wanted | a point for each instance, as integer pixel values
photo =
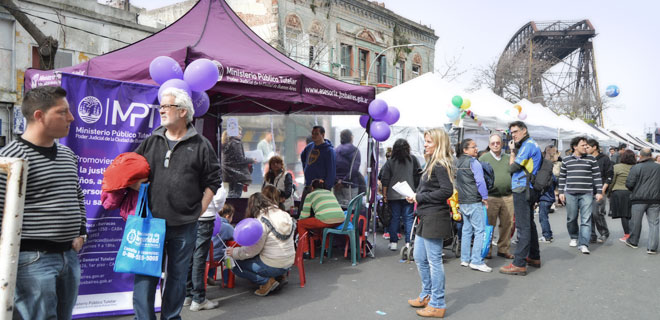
(435, 187)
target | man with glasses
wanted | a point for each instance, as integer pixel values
(500, 200)
(185, 174)
(525, 161)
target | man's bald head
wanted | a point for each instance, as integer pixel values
(645, 153)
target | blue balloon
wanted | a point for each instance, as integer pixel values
(612, 91)
(453, 113)
(378, 109)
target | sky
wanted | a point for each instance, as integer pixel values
(477, 31)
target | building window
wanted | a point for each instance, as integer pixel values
(416, 70)
(314, 48)
(7, 54)
(364, 64)
(381, 69)
(400, 71)
(346, 60)
(63, 58)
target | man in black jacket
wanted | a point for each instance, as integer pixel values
(184, 176)
(644, 182)
(598, 207)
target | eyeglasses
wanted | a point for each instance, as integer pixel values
(494, 143)
(167, 106)
(514, 131)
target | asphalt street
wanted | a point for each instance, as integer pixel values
(613, 282)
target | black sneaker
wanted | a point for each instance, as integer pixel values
(652, 251)
(631, 245)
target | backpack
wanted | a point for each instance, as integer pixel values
(543, 178)
(489, 175)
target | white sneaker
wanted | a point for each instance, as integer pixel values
(205, 305)
(584, 249)
(187, 301)
(481, 267)
(393, 246)
(544, 240)
(573, 243)
(464, 264)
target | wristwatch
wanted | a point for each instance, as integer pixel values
(84, 237)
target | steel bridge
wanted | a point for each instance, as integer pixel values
(552, 63)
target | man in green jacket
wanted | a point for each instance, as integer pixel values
(500, 200)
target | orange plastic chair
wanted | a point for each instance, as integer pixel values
(210, 263)
(299, 262)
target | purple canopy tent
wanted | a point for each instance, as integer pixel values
(254, 77)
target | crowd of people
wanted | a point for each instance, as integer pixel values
(492, 186)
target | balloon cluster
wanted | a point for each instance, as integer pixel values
(248, 232)
(200, 75)
(612, 91)
(460, 109)
(383, 116)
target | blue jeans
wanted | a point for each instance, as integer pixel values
(195, 284)
(401, 210)
(46, 284)
(528, 241)
(179, 245)
(474, 223)
(544, 209)
(581, 202)
(256, 270)
(428, 257)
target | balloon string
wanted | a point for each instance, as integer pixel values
(233, 261)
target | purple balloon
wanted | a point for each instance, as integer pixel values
(248, 232)
(392, 115)
(364, 120)
(174, 83)
(201, 103)
(164, 68)
(216, 225)
(380, 130)
(378, 109)
(201, 74)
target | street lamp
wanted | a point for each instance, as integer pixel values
(370, 143)
(410, 45)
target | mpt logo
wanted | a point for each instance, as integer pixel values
(90, 109)
(221, 69)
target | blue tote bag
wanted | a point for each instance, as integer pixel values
(488, 235)
(141, 250)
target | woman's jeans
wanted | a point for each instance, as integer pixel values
(256, 271)
(401, 210)
(544, 210)
(428, 257)
(473, 224)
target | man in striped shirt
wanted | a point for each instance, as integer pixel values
(579, 180)
(54, 218)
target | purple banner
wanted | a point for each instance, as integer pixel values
(111, 117)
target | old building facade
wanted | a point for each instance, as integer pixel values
(83, 29)
(343, 38)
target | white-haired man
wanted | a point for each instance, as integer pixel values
(185, 174)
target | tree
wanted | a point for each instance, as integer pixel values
(47, 45)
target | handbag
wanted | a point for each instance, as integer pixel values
(385, 214)
(141, 250)
(488, 235)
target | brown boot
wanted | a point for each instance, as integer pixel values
(513, 270)
(431, 312)
(267, 288)
(419, 303)
(536, 263)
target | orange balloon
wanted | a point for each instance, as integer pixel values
(518, 107)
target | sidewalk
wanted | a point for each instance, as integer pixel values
(613, 282)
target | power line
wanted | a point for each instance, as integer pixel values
(68, 26)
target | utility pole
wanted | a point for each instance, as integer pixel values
(47, 45)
